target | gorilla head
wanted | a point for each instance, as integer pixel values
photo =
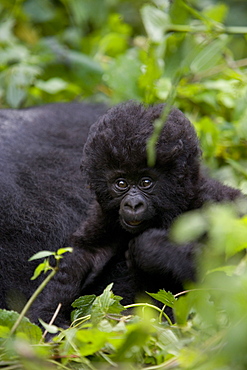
(115, 162)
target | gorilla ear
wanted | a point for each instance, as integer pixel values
(84, 166)
(170, 152)
(176, 150)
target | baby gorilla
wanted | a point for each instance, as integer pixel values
(124, 238)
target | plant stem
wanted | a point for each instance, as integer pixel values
(152, 306)
(32, 299)
(220, 30)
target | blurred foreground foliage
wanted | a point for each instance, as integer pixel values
(192, 54)
(211, 322)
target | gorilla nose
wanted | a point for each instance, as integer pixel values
(134, 206)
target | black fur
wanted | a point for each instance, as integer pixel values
(126, 241)
(42, 194)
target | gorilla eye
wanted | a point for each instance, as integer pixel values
(121, 184)
(146, 183)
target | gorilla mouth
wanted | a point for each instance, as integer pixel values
(134, 223)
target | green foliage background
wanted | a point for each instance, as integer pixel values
(192, 54)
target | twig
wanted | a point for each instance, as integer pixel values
(53, 318)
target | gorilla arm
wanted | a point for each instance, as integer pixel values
(76, 270)
(158, 263)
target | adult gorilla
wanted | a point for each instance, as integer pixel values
(42, 195)
(125, 237)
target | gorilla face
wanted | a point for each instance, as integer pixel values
(136, 209)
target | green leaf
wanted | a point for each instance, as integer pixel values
(217, 12)
(64, 250)
(41, 254)
(15, 95)
(84, 61)
(19, 76)
(181, 310)
(163, 88)
(155, 22)
(229, 270)
(106, 303)
(91, 340)
(6, 30)
(52, 329)
(113, 44)
(237, 166)
(167, 298)
(207, 56)
(122, 76)
(42, 267)
(227, 232)
(52, 86)
(189, 227)
(39, 10)
(30, 331)
(136, 337)
(83, 306)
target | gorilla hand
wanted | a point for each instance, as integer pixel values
(154, 254)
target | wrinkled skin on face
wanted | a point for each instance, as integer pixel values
(135, 208)
(134, 196)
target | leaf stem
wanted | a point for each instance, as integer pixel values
(32, 299)
(195, 29)
(152, 306)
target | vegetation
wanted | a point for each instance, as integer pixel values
(192, 54)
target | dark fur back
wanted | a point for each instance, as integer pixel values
(42, 196)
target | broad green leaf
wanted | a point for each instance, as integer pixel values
(39, 10)
(189, 227)
(122, 75)
(83, 301)
(64, 250)
(4, 332)
(169, 341)
(15, 95)
(237, 166)
(53, 85)
(19, 77)
(181, 309)
(113, 44)
(91, 340)
(84, 61)
(228, 233)
(107, 302)
(163, 88)
(83, 306)
(217, 12)
(137, 335)
(191, 358)
(52, 329)
(30, 331)
(6, 30)
(229, 270)
(155, 22)
(167, 298)
(42, 267)
(41, 254)
(209, 55)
